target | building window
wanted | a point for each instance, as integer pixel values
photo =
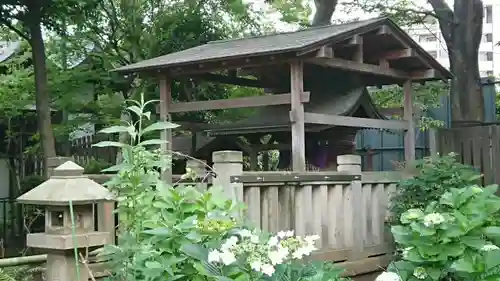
(489, 14)
(489, 56)
(443, 53)
(488, 38)
(427, 38)
(486, 56)
(433, 54)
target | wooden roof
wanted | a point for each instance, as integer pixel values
(291, 45)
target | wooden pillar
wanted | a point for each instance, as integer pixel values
(165, 101)
(408, 116)
(354, 218)
(297, 117)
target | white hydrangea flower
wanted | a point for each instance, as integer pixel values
(281, 234)
(245, 233)
(388, 276)
(256, 265)
(289, 233)
(310, 239)
(254, 239)
(420, 273)
(433, 219)
(214, 256)
(273, 241)
(267, 269)
(230, 243)
(227, 257)
(489, 247)
(278, 256)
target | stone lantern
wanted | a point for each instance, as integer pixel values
(67, 192)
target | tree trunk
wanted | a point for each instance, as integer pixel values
(324, 12)
(41, 89)
(462, 32)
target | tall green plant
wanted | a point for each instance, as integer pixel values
(156, 220)
(435, 176)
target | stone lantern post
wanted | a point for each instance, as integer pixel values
(69, 199)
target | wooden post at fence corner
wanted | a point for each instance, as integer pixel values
(226, 164)
(352, 164)
(433, 142)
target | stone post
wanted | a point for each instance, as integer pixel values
(199, 168)
(53, 162)
(226, 164)
(352, 164)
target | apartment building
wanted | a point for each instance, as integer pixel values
(430, 38)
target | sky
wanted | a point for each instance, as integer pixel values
(339, 14)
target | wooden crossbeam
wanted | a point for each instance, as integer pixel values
(231, 80)
(337, 120)
(235, 103)
(398, 54)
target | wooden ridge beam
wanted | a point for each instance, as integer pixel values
(235, 103)
(337, 120)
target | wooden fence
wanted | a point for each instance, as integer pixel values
(476, 146)
(347, 211)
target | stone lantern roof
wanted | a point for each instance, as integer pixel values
(67, 184)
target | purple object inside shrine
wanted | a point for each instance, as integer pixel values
(320, 158)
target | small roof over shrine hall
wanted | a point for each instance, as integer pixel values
(302, 69)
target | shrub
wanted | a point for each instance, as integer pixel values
(167, 233)
(456, 235)
(435, 176)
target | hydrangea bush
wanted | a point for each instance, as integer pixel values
(454, 237)
(262, 255)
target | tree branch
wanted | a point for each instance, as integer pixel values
(446, 19)
(15, 29)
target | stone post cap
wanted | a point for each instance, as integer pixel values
(349, 159)
(227, 156)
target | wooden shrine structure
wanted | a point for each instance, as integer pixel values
(303, 69)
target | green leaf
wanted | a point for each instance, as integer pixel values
(473, 241)
(153, 265)
(434, 273)
(464, 264)
(159, 126)
(135, 109)
(152, 142)
(492, 259)
(195, 251)
(115, 129)
(162, 231)
(108, 144)
(492, 231)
